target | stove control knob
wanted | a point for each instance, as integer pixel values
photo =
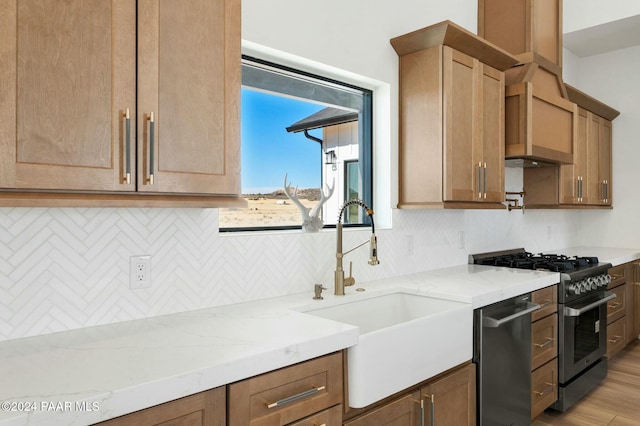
(607, 279)
(603, 280)
(597, 281)
(591, 283)
(577, 287)
(573, 289)
(584, 286)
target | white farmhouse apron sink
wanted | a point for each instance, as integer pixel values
(405, 338)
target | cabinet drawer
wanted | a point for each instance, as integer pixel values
(544, 387)
(615, 337)
(544, 340)
(618, 276)
(616, 308)
(547, 298)
(330, 417)
(287, 395)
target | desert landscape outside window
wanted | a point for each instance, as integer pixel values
(313, 130)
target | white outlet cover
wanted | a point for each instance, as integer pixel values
(139, 272)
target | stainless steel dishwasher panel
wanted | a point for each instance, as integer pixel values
(502, 352)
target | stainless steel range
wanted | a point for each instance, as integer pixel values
(582, 316)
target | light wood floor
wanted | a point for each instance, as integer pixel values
(616, 402)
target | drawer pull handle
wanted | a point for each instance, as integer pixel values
(616, 277)
(615, 305)
(316, 424)
(548, 389)
(127, 146)
(547, 302)
(548, 342)
(294, 398)
(616, 340)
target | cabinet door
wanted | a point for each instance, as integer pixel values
(463, 165)
(574, 179)
(635, 329)
(451, 400)
(604, 166)
(492, 142)
(404, 411)
(189, 83)
(67, 76)
(204, 408)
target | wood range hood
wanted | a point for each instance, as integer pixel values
(540, 119)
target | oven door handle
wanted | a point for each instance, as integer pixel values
(576, 312)
(490, 322)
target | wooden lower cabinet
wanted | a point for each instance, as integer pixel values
(618, 317)
(544, 350)
(544, 385)
(201, 409)
(634, 292)
(449, 400)
(288, 395)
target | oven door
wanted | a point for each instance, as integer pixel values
(584, 328)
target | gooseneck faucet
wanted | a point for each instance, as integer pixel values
(340, 281)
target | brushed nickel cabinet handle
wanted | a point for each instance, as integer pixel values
(152, 131)
(127, 146)
(546, 390)
(296, 397)
(614, 305)
(549, 341)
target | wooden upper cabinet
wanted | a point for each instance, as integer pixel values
(473, 122)
(588, 180)
(71, 70)
(68, 75)
(189, 78)
(529, 29)
(451, 119)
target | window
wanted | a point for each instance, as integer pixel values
(315, 131)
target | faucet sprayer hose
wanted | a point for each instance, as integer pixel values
(367, 209)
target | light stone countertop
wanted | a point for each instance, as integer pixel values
(89, 375)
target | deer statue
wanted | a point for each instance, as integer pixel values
(311, 220)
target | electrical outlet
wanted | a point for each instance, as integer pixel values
(139, 272)
(408, 240)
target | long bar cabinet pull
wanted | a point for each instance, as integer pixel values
(616, 340)
(546, 390)
(579, 189)
(127, 146)
(479, 179)
(421, 402)
(432, 410)
(152, 131)
(296, 397)
(547, 342)
(484, 184)
(614, 305)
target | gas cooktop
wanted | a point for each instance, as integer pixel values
(519, 258)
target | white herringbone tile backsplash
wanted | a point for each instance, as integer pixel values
(62, 269)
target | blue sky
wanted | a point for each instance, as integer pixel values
(269, 151)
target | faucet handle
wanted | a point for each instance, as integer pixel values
(351, 280)
(317, 290)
